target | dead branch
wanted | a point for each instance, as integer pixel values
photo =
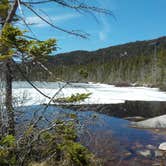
(12, 13)
(27, 79)
(82, 35)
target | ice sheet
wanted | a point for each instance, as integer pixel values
(101, 93)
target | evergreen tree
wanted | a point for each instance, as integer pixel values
(13, 41)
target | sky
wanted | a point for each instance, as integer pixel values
(132, 20)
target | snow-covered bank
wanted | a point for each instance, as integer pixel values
(101, 93)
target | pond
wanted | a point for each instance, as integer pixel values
(100, 93)
(103, 119)
(109, 137)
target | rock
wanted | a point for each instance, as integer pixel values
(162, 146)
(139, 146)
(156, 122)
(145, 153)
(156, 164)
(135, 118)
(127, 154)
(151, 147)
(158, 153)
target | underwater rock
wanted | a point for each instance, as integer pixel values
(144, 153)
(158, 153)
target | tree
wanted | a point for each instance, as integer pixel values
(14, 42)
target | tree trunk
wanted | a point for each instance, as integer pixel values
(8, 100)
(9, 77)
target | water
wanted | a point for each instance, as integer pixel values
(102, 127)
(108, 137)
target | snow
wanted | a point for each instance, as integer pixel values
(101, 93)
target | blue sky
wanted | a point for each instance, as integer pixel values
(135, 20)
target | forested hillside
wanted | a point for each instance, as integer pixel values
(142, 62)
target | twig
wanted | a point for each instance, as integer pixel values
(54, 26)
(26, 78)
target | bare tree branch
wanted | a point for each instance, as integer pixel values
(79, 6)
(12, 13)
(85, 35)
(52, 99)
(44, 67)
(26, 78)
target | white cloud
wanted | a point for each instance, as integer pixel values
(103, 34)
(53, 19)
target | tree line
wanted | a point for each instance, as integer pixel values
(136, 62)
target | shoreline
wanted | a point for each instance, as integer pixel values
(145, 109)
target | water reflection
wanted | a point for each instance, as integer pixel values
(146, 109)
(109, 137)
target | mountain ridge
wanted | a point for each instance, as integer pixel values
(117, 50)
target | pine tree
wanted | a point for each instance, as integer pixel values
(13, 41)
